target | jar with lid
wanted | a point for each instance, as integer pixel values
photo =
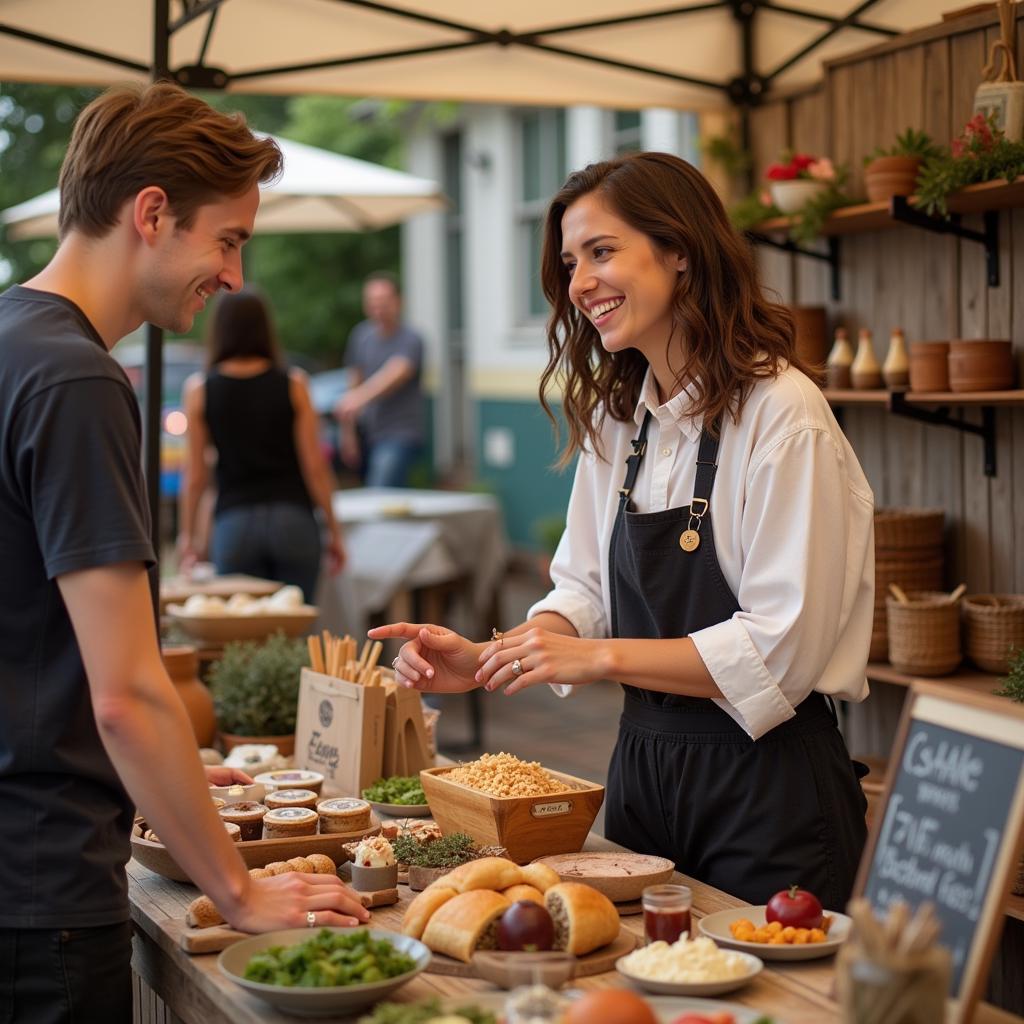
(666, 912)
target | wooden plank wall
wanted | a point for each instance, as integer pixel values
(932, 286)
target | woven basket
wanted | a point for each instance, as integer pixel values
(924, 573)
(902, 528)
(924, 634)
(995, 625)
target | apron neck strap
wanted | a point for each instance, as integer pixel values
(633, 462)
(707, 461)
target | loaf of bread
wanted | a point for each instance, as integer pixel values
(419, 912)
(465, 923)
(203, 913)
(541, 876)
(485, 873)
(584, 918)
(523, 892)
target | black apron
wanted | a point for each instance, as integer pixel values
(685, 781)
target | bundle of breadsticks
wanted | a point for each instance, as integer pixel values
(336, 656)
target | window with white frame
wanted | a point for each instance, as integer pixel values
(542, 171)
(626, 132)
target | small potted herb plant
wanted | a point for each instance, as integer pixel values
(429, 859)
(255, 689)
(893, 171)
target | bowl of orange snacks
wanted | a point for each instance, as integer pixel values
(748, 930)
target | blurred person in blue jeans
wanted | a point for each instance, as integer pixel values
(270, 473)
(381, 415)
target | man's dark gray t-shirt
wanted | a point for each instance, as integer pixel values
(398, 416)
(71, 498)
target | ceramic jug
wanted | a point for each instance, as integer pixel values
(896, 368)
(840, 359)
(865, 372)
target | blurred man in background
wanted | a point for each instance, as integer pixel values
(381, 414)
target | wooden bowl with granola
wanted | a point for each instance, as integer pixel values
(502, 801)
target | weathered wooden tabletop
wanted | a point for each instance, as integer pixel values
(194, 989)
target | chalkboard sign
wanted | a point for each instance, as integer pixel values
(949, 830)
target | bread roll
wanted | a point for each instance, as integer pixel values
(419, 912)
(322, 864)
(465, 923)
(301, 864)
(523, 892)
(278, 867)
(585, 919)
(202, 913)
(486, 873)
(543, 876)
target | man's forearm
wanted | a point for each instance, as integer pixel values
(149, 739)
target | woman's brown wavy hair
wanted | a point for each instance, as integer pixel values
(732, 335)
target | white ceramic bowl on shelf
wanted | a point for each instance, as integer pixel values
(791, 196)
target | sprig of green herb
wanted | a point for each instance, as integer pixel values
(447, 852)
(397, 789)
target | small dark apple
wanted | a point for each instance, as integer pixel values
(526, 926)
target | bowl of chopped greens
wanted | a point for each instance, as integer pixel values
(399, 796)
(324, 973)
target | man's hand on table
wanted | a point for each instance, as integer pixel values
(286, 901)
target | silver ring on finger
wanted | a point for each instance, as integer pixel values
(394, 664)
(311, 919)
(517, 667)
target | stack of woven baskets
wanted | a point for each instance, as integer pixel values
(908, 552)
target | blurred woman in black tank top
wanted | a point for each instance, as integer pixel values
(258, 419)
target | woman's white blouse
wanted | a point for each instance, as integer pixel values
(792, 514)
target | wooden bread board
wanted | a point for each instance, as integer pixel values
(598, 962)
(257, 853)
(213, 940)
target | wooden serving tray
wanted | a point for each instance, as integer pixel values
(598, 962)
(213, 940)
(256, 853)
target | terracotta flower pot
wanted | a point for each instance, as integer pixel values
(792, 196)
(182, 666)
(929, 366)
(285, 744)
(889, 176)
(981, 365)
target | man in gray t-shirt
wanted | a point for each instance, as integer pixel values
(381, 414)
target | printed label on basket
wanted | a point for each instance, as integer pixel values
(551, 810)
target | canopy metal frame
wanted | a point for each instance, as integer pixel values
(745, 92)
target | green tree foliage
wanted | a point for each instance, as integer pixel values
(313, 281)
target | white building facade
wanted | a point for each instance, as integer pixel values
(472, 286)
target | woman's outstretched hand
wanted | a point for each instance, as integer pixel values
(541, 656)
(434, 659)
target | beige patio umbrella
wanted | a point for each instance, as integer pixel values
(318, 191)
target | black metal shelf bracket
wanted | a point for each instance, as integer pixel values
(831, 257)
(900, 210)
(941, 417)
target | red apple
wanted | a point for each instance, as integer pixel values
(794, 908)
(526, 926)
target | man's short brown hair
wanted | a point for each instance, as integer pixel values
(133, 137)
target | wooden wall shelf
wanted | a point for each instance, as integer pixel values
(984, 199)
(963, 679)
(908, 404)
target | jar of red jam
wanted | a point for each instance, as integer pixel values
(666, 912)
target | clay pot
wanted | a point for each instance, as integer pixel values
(889, 176)
(896, 368)
(929, 366)
(865, 373)
(840, 359)
(811, 334)
(982, 365)
(182, 664)
(285, 744)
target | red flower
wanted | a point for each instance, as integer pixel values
(958, 147)
(801, 161)
(781, 172)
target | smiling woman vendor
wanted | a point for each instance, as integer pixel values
(718, 555)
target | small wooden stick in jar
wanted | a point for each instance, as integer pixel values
(315, 661)
(371, 662)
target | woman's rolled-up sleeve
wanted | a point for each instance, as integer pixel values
(797, 584)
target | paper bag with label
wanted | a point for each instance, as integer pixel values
(339, 732)
(406, 748)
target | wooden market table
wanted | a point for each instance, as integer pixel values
(172, 985)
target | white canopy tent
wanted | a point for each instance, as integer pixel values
(687, 54)
(319, 191)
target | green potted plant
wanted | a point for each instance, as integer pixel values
(548, 532)
(1013, 687)
(980, 153)
(892, 171)
(255, 689)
